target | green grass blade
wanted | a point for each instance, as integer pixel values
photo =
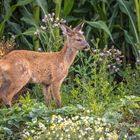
(68, 5)
(125, 9)
(43, 5)
(23, 2)
(100, 25)
(137, 5)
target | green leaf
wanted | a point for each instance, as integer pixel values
(129, 38)
(15, 28)
(43, 5)
(2, 27)
(100, 25)
(29, 21)
(71, 18)
(23, 2)
(7, 130)
(9, 11)
(125, 7)
(29, 31)
(28, 17)
(68, 5)
(136, 130)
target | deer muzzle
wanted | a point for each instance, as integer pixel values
(87, 46)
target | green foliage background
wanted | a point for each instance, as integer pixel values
(114, 22)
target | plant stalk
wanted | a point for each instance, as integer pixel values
(36, 15)
(57, 31)
(137, 6)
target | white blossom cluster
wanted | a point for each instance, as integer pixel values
(50, 21)
(55, 21)
(113, 56)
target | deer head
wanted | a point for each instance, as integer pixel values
(74, 37)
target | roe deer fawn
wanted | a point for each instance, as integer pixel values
(21, 67)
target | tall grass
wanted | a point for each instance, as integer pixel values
(137, 9)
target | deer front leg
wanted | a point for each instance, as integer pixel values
(47, 95)
(56, 93)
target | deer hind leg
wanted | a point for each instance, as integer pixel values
(6, 83)
(47, 95)
(56, 93)
(13, 89)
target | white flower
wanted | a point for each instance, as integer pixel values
(90, 138)
(57, 19)
(61, 138)
(37, 32)
(68, 136)
(13, 36)
(43, 27)
(109, 66)
(75, 118)
(125, 136)
(101, 138)
(49, 15)
(55, 25)
(41, 125)
(117, 69)
(51, 19)
(108, 134)
(53, 14)
(114, 67)
(88, 111)
(24, 136)
(32, 131)
(138, 60)
(80, 136)
(102, 54)
(117, 59)
(100, 129)
(44, 20)
(100, 59)
(66, 130)
(94, 50)
(88, 128)
(119, 52)
(45, 17)
(27, 133)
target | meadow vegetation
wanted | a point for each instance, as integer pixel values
(101, 95)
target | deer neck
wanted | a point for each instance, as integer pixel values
(68, 54)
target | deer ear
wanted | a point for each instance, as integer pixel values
(66, 30)
(79, 27)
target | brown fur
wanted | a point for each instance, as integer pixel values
(49, 69)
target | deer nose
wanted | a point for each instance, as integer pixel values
(84, 43)
(87, 46)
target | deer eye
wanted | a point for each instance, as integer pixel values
(79, 39)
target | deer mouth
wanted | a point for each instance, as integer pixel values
(87, 47)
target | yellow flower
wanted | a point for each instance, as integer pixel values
(52, 127)
(101, 138)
